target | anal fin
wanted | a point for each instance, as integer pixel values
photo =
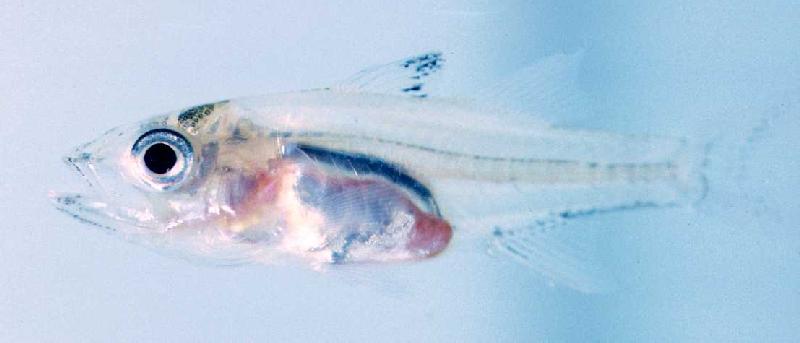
(537, 226)
(560, 257)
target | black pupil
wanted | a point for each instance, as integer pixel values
(160, 158)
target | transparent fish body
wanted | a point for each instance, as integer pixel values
(355, 173)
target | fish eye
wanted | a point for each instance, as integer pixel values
(159, 158)
(163, 157)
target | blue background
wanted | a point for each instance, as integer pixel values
(713, 71)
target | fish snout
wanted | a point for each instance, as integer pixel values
(85, 164)
(77, 158)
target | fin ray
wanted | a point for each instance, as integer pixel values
(547, 88)
(540, 248)
(406, 77)
(533, 224)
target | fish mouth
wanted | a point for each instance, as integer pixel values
(95, 206)
(83, 209)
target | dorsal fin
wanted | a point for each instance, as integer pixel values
(408, 76)
(548, 88)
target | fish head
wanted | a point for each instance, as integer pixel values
(157, 180)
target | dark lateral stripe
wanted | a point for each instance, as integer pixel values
(366, 164)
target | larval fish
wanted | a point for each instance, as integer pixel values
(374, 169)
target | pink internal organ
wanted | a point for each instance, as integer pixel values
(372, 219)
(365, 219)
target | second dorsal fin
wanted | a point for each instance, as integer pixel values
(548, 88)
(408, 76)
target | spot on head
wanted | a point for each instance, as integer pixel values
(190, 118)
